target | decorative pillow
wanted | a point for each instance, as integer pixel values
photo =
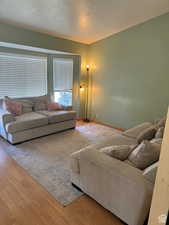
(145, 154)
(159, 133)
(146, 134)
(27, 105)
(52, 106)
(156, 141)
(12, 106)
(120, 152)
(68, 108)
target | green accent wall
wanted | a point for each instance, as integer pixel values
(130, 74)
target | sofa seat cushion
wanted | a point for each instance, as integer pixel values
(27, 121)
(59, 115)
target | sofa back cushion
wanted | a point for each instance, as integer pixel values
(145, 154)
(160, 132)
(147, 134)
(161, 122)
(30, 104)
(135, 131)
(27, 105)
(40, 103)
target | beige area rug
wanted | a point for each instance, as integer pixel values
(47, 158)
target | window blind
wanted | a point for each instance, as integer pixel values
(22, 75)
(62, 74)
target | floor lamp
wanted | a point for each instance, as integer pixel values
(86, 119)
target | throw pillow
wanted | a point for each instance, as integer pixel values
(145, 154)
(120, 152)
(12, 106)
(156, 141)
(159, 133)
(146, 134)
(52, 106)
(27, 105)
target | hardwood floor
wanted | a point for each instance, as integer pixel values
(25, 202)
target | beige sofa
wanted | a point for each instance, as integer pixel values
(124, 190)
(36, 121)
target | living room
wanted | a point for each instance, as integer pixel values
(83, 108)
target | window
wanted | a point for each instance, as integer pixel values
(63, 80)
(22, 75)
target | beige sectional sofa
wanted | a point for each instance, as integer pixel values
(36, 121)
(121, 188)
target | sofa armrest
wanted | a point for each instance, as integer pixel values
(75, 157)
(135, 131)
(119, 187)
(112, 165)
(5, 117)
(117, 139)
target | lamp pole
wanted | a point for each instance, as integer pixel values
(87, 94)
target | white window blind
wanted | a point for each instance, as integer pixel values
(63, 80)
(22, 75)
(62, 74)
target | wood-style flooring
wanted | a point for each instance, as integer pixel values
(25, 202)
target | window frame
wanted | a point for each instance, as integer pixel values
(76, 71)
(63, 90)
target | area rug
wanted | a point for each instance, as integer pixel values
(47, 159)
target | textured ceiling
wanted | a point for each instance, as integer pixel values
(80, 20)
